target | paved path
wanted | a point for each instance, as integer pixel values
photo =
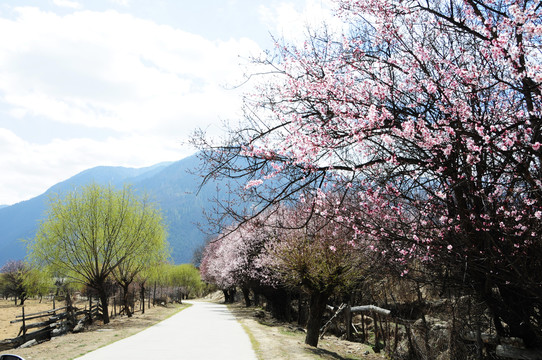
(202, 331)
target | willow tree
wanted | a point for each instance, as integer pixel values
(151, 250)
(92, 232)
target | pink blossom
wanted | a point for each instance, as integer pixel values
(252, 183)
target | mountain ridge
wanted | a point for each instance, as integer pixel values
(169, 184)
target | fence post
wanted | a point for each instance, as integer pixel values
(364, 335)
(348, 322)
(90, 309)
(24, 327)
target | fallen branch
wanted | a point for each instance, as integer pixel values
(366, 308)
(324, 328)
(511, 352)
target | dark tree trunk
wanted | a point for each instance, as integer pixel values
(226, 296)
(317, 307)
(229, 295)
(514, 308)
(246, 295)
(126, 300)
(104, 301)
(256, 298)
(278, 302)
(142, 294)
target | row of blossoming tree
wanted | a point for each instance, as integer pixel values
(280, 253)
(427, 116)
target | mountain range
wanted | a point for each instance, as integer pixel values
(172, 185)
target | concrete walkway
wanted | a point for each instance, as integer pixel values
(202, 331)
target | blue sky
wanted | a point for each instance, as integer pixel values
(124, 82)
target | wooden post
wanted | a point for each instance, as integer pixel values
(348, 322)
(24, 327)
(396, 338)
(90, 309)
(364, 335)
(377, 332)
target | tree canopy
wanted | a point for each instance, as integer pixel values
(93, 233)
(429, 114)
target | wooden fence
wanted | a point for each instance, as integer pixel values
(46, 324)
(386, 330)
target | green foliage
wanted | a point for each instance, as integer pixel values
(186, 277)
(159, 274)
(38, 282)
(3, 283)
(91, 232)
(96, 232)
(315, 263)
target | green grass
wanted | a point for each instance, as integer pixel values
(255, 344)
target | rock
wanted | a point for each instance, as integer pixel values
(28, 344)
(79, 327)
(438, 335)
(61, 330)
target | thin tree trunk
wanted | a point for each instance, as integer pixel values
(154, 295)
(142, 298)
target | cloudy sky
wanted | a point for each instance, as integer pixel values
(123, 82)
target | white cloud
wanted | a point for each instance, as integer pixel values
(121, 2)
(113, 70)
(287, 21)
(67, 3)
(151, 85)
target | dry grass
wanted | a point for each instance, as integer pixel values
(270, 339)
(275, 340)
(71, 346)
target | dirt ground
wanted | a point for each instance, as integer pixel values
(270, 339)
(71, 346)
(8, 312)
(274, 340)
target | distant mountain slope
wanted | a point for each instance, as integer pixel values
(169, 184)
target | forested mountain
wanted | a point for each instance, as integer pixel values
(170, 185)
